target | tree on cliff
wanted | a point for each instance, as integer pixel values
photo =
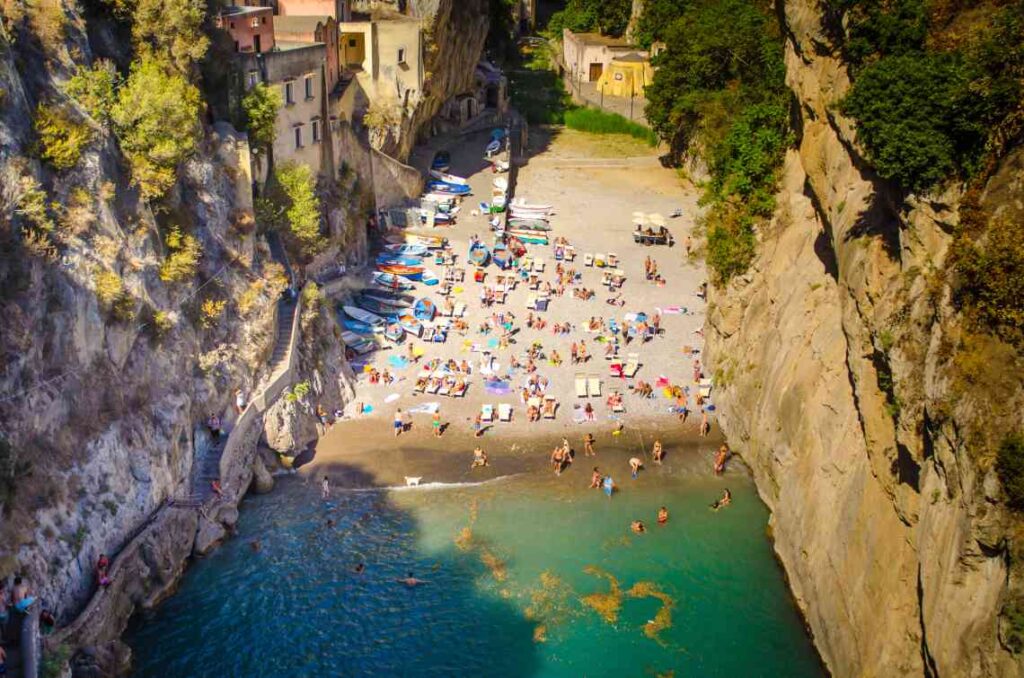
(260, 106)
(293, 206)
(156, 119)
(608, 17)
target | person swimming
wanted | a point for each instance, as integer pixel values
(662, 515)
(359, 568)
(724, 501)
(638, 527)
(411, 581)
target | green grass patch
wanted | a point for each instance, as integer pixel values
(595, 121)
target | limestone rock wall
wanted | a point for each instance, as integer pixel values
(830, 357)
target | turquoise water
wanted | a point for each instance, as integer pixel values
(502, 598)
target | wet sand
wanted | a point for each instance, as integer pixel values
(595, 184)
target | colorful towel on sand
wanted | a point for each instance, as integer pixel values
(671, 310)
(392, 398)
(498, 387)
(398, 362)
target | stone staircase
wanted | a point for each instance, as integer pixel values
(285, 317)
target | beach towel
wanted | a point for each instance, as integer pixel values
(578, 415)
(493, 343)
(392, 398)
(498, 387)
(398, 362)
(672, 310)
(425, 408)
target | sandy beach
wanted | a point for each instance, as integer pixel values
(595, 184)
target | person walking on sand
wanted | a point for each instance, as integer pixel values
(588, 446)
(584, 355)
(705, 425)
(634, 466)
(399, 422)
(658, 452)
(574, 353)
(436, 423)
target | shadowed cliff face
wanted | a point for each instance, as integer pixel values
(832, 359)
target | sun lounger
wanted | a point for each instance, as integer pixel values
(581, 386)
(531, 302)
(533, 402)
(594, 386)
(445, 389)
(632, 366)
(705, 388)
(459, 391)
(433, 386)
(588, 259)
(619, 408)
(487, 413)
(615, 368)
(550, 406)
(538, 265)
(505, 412)
(613, 259)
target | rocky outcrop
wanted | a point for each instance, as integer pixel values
(831, 357)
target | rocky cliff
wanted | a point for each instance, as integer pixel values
(110, 368)
(845, 378)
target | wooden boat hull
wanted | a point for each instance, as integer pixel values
(424, 309)
(441, 175)
(411, 325)
(407, 250)
(389, 298)
(479, 254)
(529, 224)
(410, 272)
(449, 189)
(389, 281)
(362, 315)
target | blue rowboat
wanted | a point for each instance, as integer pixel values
(393, 259)
(449, 189)
(501, 256)
(394, 332)
(363, 316)
(406, 250)
(390, 281)
(479, 254)
(424, 309)
(410, 272)
(411, 325)
(359, 327)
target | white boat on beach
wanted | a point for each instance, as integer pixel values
(520, 203)
(448, 178)
(363, 315)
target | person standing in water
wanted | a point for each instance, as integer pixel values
(595, 479)
(634, 466)
(662, 515)
(720, 458)
(325, 489)
(608, 485)
(479, 458)
(658, 451)
(588, 446)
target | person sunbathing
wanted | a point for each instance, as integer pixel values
(549, 407)
(532, 413)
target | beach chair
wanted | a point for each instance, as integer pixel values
(487, 413)
(600, 261)
(613, 259)
(581, 385)
(705, 388)
(459, 391)
(460, 310)
(505, 412)
(570, 253)
(531, 301)
(619, 408)
(445, 389)
(538, 265)
(533, 401)
(594, 386)
(588, 259)
(550, 407)
(632, 366)
(615, 368)
(434, 386)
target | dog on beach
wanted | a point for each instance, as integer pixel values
(412, 482)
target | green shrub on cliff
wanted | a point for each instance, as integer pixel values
(173, 28)
(609, 17)
(61, 137)
(294, 207)
(260, 106)
(95, 89)
(156, 118)
(183, 258)
(1010, 467)
(989, 278)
